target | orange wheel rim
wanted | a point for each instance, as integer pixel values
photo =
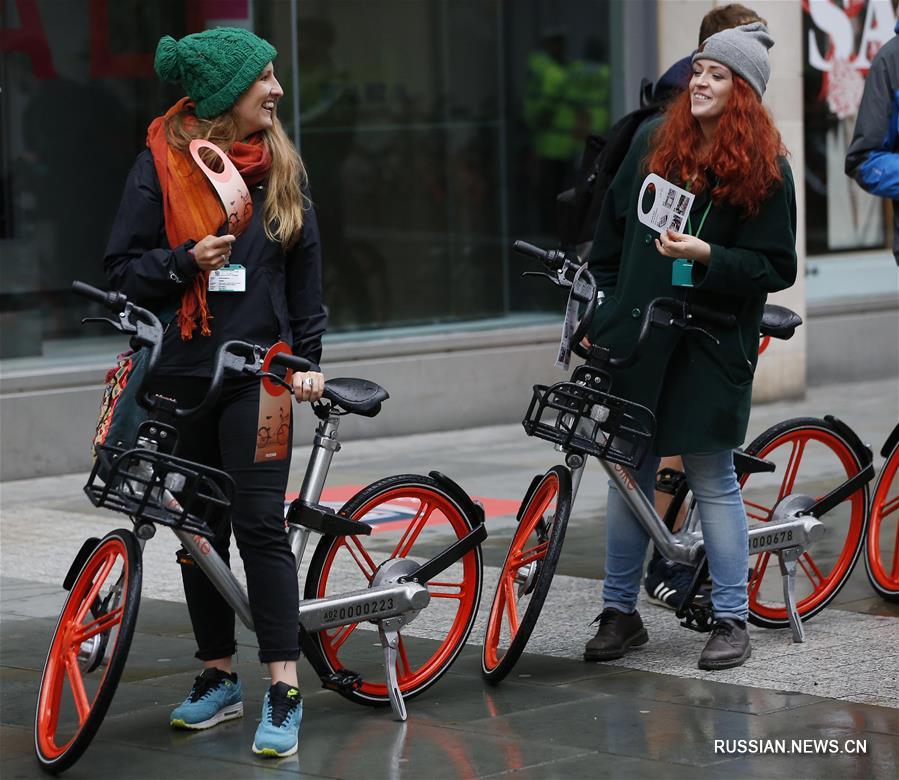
(504, 608)
(432, 506)
(885, 510)
(62, 673)
(822, 581)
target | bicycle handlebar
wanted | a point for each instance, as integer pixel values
(145, 329)
(140, 324)
(583, 286)
(681, 314)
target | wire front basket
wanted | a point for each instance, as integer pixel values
(160, 488)
(590, 421)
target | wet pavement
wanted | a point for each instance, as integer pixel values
(653, 714)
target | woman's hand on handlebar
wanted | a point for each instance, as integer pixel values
(308, 385)
(671, 244)
(213, 252)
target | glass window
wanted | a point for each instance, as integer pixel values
(435, 132)
(839, 45)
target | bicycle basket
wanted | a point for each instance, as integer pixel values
(160, 488)
(590, 421)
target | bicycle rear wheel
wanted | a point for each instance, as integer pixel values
(812, 456)
(412, 517)
(527, 573)
(88, 651)
(882, 547)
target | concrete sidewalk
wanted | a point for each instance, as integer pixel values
(651, 714)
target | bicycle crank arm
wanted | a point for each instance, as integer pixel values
(369, 605)
(430, 569)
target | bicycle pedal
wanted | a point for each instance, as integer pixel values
(342, 681)
(697, 618)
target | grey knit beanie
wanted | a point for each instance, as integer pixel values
(744, 50)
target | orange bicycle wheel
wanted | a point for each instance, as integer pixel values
(882, 547)
(527, 572)
(812, 456)
(88, 651)
(413, 517)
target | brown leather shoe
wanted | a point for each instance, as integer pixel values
(728, 646)
(618, 632)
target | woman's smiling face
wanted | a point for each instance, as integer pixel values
(710, 89)
(255, 108)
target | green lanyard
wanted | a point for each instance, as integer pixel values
(682, 269)
(702, 221)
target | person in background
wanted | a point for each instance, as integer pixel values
(168, 238)
(873, 156)
(717, 140)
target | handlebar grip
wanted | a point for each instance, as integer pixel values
(111, 299)
(524, 248)
(715, 317)
(293, 362)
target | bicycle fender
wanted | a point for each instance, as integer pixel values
(474, 512)
(538, 478)
(892, 441)
(865, 455)
(79, 560)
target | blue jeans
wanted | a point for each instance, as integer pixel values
(712, 479)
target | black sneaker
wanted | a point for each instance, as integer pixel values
(618, 632)
(728, 646)
(666, 583)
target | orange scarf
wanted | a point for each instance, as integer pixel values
(191, 206)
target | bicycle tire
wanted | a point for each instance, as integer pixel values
(117, 554)
(391, 497)
(886, 583)
(554, 486)
(839, 450)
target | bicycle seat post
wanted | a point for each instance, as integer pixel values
(324, 447)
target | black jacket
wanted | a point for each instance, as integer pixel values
(283, 298)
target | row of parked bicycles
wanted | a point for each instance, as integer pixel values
(407, 548)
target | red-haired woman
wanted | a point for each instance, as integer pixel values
(720, 143)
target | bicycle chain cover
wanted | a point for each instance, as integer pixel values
(158, 487)
(590, 421)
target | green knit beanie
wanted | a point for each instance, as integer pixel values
(215, 67)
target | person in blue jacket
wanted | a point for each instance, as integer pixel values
(873, 156)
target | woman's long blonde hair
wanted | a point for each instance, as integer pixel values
(284, 198)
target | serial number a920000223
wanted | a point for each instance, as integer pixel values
(368, 609)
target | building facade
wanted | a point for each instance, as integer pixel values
(435, 132)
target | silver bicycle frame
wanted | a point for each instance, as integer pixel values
(788, 534)
(380, 602)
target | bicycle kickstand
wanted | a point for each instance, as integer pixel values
(390, 641)
(787, 559)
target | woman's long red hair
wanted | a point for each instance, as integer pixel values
(743, 160)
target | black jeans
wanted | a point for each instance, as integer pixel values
(226, 439)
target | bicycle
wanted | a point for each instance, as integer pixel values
(405, 571)
(582, 418)
(884, 578)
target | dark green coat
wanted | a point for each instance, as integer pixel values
(700, 392)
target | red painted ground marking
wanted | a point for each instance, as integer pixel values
(396, 514)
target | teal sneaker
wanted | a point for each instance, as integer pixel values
(214, 698)
(279, 730)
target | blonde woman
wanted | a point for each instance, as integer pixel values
(170, 233)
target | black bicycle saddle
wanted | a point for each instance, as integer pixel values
(779, 321)
(356, 396)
